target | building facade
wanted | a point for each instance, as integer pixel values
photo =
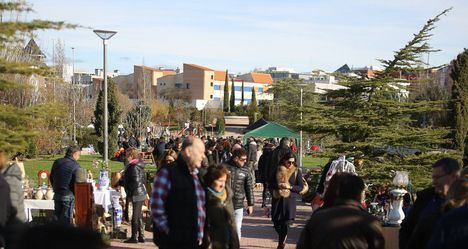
(200, 85)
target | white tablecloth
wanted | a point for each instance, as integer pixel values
(37, 204)
(103, 198)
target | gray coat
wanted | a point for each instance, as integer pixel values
(13, 177)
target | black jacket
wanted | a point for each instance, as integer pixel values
(160, 149)
(63, 175)
(241, 184)
(452, 230)
(263, 164)
(181, 210)
(414, 230)
(343, 226)
(133, 142)
(134, 180)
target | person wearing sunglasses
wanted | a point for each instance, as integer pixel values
(285, 190)
(241, 184)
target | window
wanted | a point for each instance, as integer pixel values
(211, 84)
(260, 90)
(247, 88)
(212, 78)
(237, 88)
(188, 85)
(217, 87)
(211, 96)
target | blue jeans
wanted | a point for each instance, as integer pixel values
(238, 216)
(64, 206)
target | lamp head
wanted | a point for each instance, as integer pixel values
(104, 34)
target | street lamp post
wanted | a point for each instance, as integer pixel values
(300, 134)
(105, 35)
(74, 96)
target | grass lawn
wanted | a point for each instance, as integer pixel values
(34, 165)
(313, 161)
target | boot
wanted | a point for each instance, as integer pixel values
(132, 240)
(141, 232)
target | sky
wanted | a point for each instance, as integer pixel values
(242, 35)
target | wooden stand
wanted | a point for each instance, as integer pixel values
(84, 202)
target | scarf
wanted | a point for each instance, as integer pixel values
(220, 195)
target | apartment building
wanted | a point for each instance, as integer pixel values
(201, 85)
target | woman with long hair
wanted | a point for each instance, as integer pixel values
(285, 189)
(168, 157)
(221, 227)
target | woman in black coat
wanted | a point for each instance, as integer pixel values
(285, 190)
(220, 225)
(134, 184)
(262, 169)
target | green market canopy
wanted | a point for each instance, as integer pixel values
(272, 130)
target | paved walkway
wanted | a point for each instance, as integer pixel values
(257, 230)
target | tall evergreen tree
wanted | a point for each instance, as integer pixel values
(242, 94)
(459, 75)
(253, 103)
(114, 114)
(226, 103)
(253, 107)
(233, 97)
(373, 118)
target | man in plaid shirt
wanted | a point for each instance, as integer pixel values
(178, 200)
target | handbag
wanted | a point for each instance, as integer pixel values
(305, 184)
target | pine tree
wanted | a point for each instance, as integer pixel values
(226, 103)
(114, 114)
(374, 118)
(459, 75)
(18, 121)
(242, 94)
(233, 98)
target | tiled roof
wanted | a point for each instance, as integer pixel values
(220, 75)
(198, 67)
(261, 78)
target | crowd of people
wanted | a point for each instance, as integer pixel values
(204, 186)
